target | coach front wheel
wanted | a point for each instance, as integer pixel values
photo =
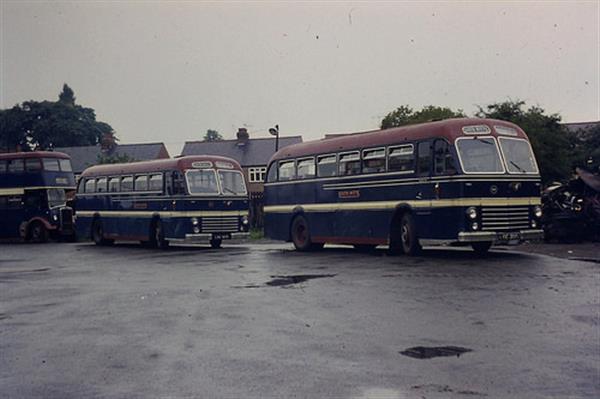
(408, 236)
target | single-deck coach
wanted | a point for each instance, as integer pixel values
(457, 181)
(192, 199)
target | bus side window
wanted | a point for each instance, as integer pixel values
(3, 166)
(306, 168)
(81, 187)
(101, 185)
(16, 165)
(424, 158)
(443, 161)
(401, 158)
(349, 163)
(90, 185)
(155, 183)
(175, 184)
(127, 183)
(374, 160)
(51, 164)
(272, 173)
(287, 170)
(33, 164)
(141, 183)
(114, 184)
(326, 166)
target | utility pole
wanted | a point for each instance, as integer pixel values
(275, 132)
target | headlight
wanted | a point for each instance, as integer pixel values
(196, 229)
(55, 218)
(472, 212)
(537, 211)
(194, 221)
(244, 220)
(474, 226)
(533, 224)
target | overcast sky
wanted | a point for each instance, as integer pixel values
(168, 71)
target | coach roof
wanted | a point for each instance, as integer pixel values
(449, 129)
(34, 154)
(158, 165)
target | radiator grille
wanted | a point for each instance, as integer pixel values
(220, 224)
(496, 218)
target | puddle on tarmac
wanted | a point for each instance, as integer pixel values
(424, 352)
(286, 281)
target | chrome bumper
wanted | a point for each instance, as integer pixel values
(513, 237)
(206, 237)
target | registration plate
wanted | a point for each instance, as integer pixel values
(509, 237)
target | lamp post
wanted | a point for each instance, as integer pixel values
(275, 132)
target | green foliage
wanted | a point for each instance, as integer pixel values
(256, 234)
(114, 158)
(212, 135)
(404, 115)
(552, 144)
(586, 149)
(45, 125)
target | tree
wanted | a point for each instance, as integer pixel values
(586, 145)
(34, 125)
(404, 115)
(212, 135)
(552, 144)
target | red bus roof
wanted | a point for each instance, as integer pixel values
(158, 165)
(449, 129)
(34, 154)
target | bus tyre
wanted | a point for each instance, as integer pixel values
(408, 236)
(98, 234)
(157, 237)
(300, 234)
(37, 232)
(481, 248)
(216, 243)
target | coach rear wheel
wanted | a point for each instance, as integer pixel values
(98, 233)
(37, 232)
(216, 243)
(481, 248)
(301, 235)
(408, 236)
(157, 237)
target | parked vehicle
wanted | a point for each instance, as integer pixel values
(458, 181)
(572, 210)
(33, 195)
(193, 199)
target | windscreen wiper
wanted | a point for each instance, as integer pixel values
(518, 167)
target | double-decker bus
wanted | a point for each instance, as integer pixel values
(455, 182)
(33, 189)
(192, 199)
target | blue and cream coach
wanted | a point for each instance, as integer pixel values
(458, 181)
(193, 199)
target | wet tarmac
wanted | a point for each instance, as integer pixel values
(264, 321)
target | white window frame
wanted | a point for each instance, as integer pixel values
(480, 173)
(257, 174)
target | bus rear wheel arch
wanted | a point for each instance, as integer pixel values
(300, 234)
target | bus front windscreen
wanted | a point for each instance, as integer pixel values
(518, 155)
(479, 155)
(232, 182)
(202, 182)
(56, 197)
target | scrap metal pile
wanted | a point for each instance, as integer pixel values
(572, 210)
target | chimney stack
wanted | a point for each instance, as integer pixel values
(242, 134)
